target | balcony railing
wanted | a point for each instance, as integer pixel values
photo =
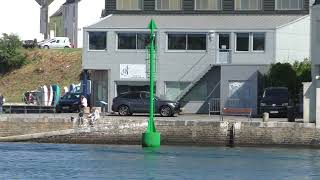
(224, 56)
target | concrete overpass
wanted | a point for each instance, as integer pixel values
(44, 9)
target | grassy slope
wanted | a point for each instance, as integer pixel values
(44, 67)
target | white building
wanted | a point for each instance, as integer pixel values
(312, 90)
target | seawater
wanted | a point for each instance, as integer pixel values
(71, 161)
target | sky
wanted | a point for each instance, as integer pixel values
(22, 17)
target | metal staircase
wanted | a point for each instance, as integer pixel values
(194, 82)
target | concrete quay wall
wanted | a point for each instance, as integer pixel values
(25, 124)
(128, 130)
(276, 133)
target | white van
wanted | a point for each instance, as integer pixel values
(57, 42)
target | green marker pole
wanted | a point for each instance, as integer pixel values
(151, 138)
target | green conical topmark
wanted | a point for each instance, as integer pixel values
(151, 138)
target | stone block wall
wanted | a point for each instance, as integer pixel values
(12, 126)
(276, 133)
(128, 130)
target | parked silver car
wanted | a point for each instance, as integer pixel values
(138, 102)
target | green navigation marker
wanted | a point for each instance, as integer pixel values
(151, 138)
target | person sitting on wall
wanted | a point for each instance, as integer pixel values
(93, 116)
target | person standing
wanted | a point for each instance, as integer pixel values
(2, 100)
(83, 104)
(84, 101)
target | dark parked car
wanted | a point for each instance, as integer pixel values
(138, 102)
(29, 44)
(70, 102)
(275, 101)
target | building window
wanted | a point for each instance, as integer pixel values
(197, 42)
(258, 41)
(247, 4)
(242, 42)
(129, 5)
(208, 5)
(224, 41)
(133, 40)
(143, 40)
(177, 42)
(289, 4)
(187, 41)
(97, 40)
(169, 5)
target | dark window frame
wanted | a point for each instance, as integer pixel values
(161, 9)
(253, 41)
(289, 9)
(236, 42)
(248, 9)
(105, 39)
(138, 47)
(224, 35)
(220, 8)
(139, 9)
(186, 46)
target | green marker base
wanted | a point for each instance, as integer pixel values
(151, 139)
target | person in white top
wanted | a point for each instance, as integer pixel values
(83, 104)
(84, 101)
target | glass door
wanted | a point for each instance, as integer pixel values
(224, 56)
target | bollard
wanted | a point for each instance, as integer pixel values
(265, 117)
(291, 115)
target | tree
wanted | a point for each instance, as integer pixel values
(303, 70)
(290, 76)
(10, 57)
(282, 75)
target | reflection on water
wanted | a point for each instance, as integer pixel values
(64, 161)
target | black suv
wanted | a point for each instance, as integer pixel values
(70, 102)
(138, 102)
(275, 101)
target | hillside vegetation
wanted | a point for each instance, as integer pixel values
(43, 67)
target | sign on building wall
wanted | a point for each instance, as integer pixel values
(133, 71)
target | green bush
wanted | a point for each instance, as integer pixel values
(282, 75)
(290, 76)
(10, 56)
(303, 70)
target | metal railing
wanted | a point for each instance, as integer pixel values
(223, 56)
(33, 102)
(214, 106)
(27, 109)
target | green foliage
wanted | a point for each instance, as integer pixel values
(290, 76)
(303, 70)
(282, 75)
(10, 57)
